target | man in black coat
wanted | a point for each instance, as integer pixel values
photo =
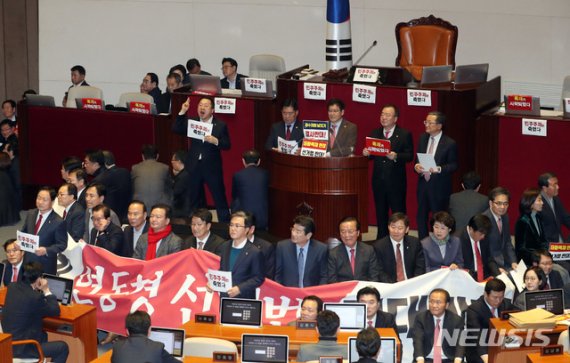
(375, 317)
(27, 303)
(490, 305)
(553, 213)
(106, 234)
(232, 79)
(138, 225)
(202, 238)
(475, 248)
(14, 262)
(73, 213)
(288, 129)
(389, 182)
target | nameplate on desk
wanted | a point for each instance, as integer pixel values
(224, 357)
(551, 350)
(205, 318)
(306, 324)
(224, 105)
(330, 359)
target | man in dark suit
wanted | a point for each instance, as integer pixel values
(204, 160)
(106, 234)
(368, 345)
(77, 80)
(118, 183)
(431, 348)
(434, 184)
(138, 225)
(352, 260)
(149, 86)
(375, 317)
(288, 129)
(409, 249)
(94, 165)
(328, 326)
(202, 238)
(267, 248)
(499, 236)
(173, 81)
(138, 347)
(465, 204)
(250, 187)
(194, 67)
(544, 260)
(51, 229)
(490, 305)
(301, 261)
(14, 262)
(232, 79)
(389, 175)
(159, 240)
(180, 183)
(553, 213)
(78, 177)
(95, 194)
(476, 254)
(242, 258)
(74, 213)
(151, 179)
(27, 302)
(342, 133)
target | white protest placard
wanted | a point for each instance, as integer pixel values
(198, 129)
(219, 280)
(363, 93)
(28, 242)
(225, 105)
(427, 161)
(533, 127)
(316, 130)
(366, 75)
(257, 85)
(417, 97)
(315, 91)
(286, 146)
(566, 102)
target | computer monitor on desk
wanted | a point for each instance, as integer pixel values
(61, 287)
(551, 300)
(436, 75)
(205, 85)
(471, 74)
(352, 315)
(173, 339)
(388, 351)
(241, 312)
(264, 348)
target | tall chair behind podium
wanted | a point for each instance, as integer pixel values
(565, 90)
(82, 92)
(427, 41)
(266, 66)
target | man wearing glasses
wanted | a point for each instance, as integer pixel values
(14, 262)
(499, 236)
(232, 79)
(242, 258)
(288, 129)
(434, 184)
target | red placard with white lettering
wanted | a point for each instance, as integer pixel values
(378, 147)
(314, 148)
(91, 104)
(139, 107)
(519, 103)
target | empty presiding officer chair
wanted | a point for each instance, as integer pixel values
(267, 66)
(427, 41)
(82, 92)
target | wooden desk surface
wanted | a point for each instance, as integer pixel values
(536, 358)
(5, 347)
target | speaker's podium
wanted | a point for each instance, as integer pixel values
(329, 188)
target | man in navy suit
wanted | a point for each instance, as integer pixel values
(490, 305)
(301, 261)
(288, 129)
(553, 213)
(202, 237)
(352, 260)
(51, 229)
(78, 177)
(242, 258)
(204, 159)
(426, 347)
(434, 184)
(389, 181)
(375, 317)
(14, 262)
(232, 79)
(411, 253)
(250, 187)
(267, 248)
(138, 225)
(74, 213)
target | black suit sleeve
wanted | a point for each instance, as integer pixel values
(180, 126)
(407, 153)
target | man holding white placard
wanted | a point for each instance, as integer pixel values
(434, 181)
(204, 159)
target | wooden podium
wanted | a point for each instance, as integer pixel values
(332, 188)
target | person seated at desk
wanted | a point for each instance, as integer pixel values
(232, 79)
(105, 233)
(342, 133)
(368, 345)
(311, 306)
(544, 260)
(173, 81)
(490, 305)
(328, 326)
(440, 247)
(138, 347)
(149, 86)
(14, 262)
(27, 302)
(428, 331)
(534, 280)
(202, 237)
(475, 248)
(194, 67)
(288, 129)
(375, 317)
(159, 240)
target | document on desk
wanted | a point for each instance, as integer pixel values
(427, 161)
(220, 280)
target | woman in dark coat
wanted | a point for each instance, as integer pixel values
(529, 233)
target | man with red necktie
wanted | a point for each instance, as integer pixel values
(476, 253)
(14, 262)
(289, 128)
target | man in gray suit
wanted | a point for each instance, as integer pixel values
(465, 204)
(159, 240)
(328, 324)
(151, 180)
